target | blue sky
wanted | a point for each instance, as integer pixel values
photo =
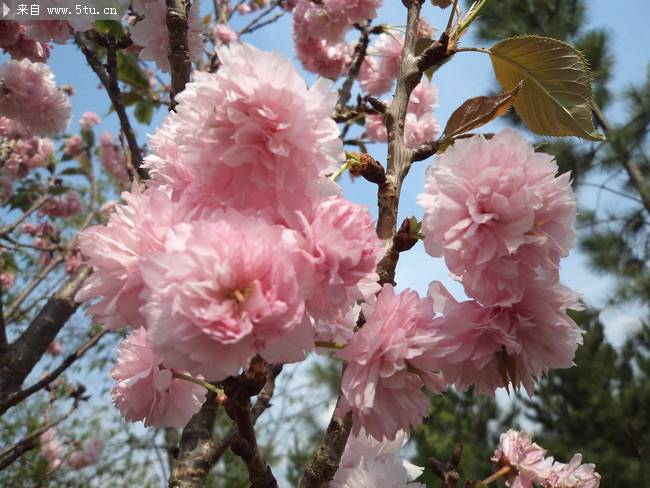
(467, 75)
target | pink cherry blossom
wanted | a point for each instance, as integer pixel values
(62, 206)
(420, 125)
(89, 120)
(224, 297)
(254, 124)
(388, 365)
(30, 97)
(27, 154)
(73, 147)
(57, 31)
(344, 250)
(134, 230)
(51, 448)
(224, 34)
(15, 42)
(324, 58)
(147, 390)
(151, 32)
(7, 279)
(381, 66)
(573, 475)
(72, 261)
(368, 463)
(87, 455)
(490, 347)
(486, 199)
(425, 30)
(331, 19)
(112, 158)
(340, 328)
(516, 449)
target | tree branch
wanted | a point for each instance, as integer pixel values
(21, 357)
(179, 51)
(19, 396)
(357, 60)
(109, 81)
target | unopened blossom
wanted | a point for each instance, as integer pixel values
(66, 205)
(89, 120)
(30, 97)
(368, 463)
(573, 475)
(114, 251)
(528, 460)
(486, 199)
(112, 158)
(344, 250)
(87, 455)
(223, 298)
(381, 66)
(151, 32)
(324, 58)
(490, 347)
(224, 34)
(146, 390)
(52, 449)
(388, 365)
(254, 124)
(244, 9)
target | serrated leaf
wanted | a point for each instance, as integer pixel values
(144, 112)
(556, 98)
(129, 71)
(478, 111)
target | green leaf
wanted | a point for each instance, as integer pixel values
(556, 98)
(129, 71)
(144, 112)
(88, 136)
(110, 27)
(478, 111)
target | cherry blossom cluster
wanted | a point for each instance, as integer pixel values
(319, 30)
(239, 245)
(54, 452)
(527, 465)
(502, 220)
(29, 96)
(15, 41)
(112, 158)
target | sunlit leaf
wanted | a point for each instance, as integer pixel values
(556, 98)
(478, 111)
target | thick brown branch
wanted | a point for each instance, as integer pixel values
(197, 448)
(323, 465)
(21, 357)
(19, 396)
(238, 407)
(179, 52)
